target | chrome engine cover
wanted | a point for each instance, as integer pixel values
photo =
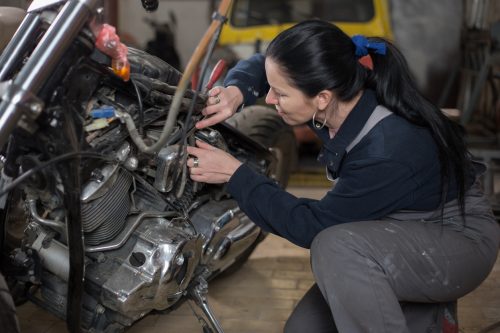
(151, 271)
(227, 232)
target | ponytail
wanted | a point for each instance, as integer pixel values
(396, 90)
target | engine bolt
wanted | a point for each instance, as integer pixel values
(97, 175)
(131, 163)
(99, 309)
(36, 108)
(101, 258)
(179, 260)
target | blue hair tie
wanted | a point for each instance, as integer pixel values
(363, 44)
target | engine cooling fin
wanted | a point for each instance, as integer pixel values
(182, 204)
(104, 217)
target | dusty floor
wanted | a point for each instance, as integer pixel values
(259, 297)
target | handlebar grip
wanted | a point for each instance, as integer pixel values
(150, 5)
(216, 73)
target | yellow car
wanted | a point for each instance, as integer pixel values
(254, 23)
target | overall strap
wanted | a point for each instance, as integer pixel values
(377, 115)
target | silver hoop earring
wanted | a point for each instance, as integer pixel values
(317, 124)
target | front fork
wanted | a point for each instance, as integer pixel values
(19, 95)
(20, 98)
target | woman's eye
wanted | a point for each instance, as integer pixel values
(278, 95)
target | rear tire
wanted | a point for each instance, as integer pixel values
(266, 127)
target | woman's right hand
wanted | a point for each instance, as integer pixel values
(222, 103)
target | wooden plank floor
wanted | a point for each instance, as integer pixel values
(260, 296)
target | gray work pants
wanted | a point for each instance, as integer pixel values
(389, 275)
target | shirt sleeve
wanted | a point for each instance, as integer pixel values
(250, 77)
(368, 190)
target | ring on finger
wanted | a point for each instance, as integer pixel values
(217, 99)
(196, 162)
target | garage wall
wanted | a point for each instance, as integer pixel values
(428, 34)
(15, 3)
(192, 21)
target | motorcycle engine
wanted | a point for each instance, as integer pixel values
(148, 229)
(136, 259)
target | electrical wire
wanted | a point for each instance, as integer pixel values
(204, 68)
(217, 21)
(141, 108)
(43, 165)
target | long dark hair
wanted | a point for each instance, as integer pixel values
(317, 55)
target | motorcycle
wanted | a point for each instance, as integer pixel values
(100, 223)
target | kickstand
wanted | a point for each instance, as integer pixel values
(197, 295)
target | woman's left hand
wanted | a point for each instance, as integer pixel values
(209, 164)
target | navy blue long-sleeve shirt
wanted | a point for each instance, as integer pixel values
(250, 77)
(394, 167)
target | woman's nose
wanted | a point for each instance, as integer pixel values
(271, 97)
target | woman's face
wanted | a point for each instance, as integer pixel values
(292, 105)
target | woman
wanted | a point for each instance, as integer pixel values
(424, 234)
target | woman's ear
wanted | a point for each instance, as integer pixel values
(323, 99)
